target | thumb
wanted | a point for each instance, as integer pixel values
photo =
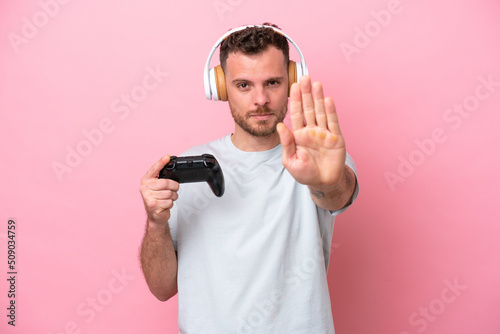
(287, 142)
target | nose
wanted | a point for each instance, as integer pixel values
(261, 96)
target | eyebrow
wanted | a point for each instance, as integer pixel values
(267, 80)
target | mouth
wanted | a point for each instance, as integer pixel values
(262, 117)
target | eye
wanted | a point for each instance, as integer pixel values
(243, 86)
(273, 83)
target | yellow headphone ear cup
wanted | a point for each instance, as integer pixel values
(292, 74)
(220, 81)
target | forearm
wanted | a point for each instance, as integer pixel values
(159, 261)
(337, 196)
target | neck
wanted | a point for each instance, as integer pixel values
(249, 143)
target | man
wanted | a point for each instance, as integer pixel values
(254, 260)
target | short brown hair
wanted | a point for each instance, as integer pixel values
(253, 40)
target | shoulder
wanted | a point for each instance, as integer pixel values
(211, 147)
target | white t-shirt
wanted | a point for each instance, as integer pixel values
(255, 259)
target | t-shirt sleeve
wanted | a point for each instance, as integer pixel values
(350, 163)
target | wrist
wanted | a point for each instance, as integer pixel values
(335, 196)
(157, 227)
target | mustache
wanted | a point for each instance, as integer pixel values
(262, 110)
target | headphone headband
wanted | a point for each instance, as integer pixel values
(208, 87)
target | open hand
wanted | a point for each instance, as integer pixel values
(314, 150)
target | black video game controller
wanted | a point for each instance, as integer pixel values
(195, 169)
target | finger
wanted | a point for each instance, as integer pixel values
(164, 184)
(165, 194)
(157, 205)
(296, 114)
(331, 116)
(154, 171)
(287, 142)
(307, 101)
(319, 104)
(165, 205)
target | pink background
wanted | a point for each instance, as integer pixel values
(419, 252)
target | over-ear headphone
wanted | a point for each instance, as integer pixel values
(215, 82)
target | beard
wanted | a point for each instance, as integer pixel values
(262, 128)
